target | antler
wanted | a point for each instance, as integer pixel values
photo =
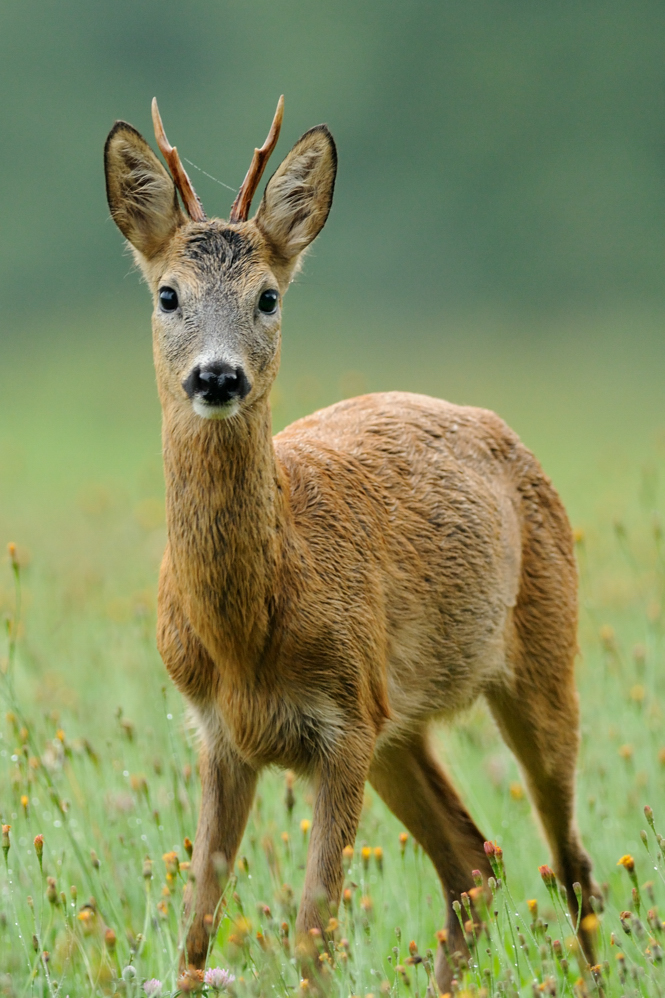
(178, 172)
(241, 205)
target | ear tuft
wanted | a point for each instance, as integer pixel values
(297, 199)
(142, 196)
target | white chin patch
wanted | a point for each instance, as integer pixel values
(215, 411)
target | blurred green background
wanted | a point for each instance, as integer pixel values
(497, 236)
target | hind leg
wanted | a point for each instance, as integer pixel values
(539, 721)
(416, 789)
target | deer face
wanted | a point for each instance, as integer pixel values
(217, 286)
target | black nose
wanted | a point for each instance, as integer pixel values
(217, 384)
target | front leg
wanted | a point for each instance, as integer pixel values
(340, 787)
(227, 791)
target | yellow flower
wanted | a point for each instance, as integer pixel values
(627, 862)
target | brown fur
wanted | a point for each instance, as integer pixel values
(327, 594)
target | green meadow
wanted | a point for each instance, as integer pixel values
(96, 754)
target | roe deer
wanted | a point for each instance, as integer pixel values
(327, 593)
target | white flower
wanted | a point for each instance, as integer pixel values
(218, 978)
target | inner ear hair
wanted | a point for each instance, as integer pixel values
(142, 197)
(298, 196)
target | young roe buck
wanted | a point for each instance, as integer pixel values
(327, 593)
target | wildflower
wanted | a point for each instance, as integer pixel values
(94, 859)
(365, 852)
(477, 878)
(153, 988)
(172, 864)
(608, 638)
(378, 856)
(533, 908)
(548, 877)
(189, 846)
(627, 862)
(578, 535)
(347, 897)
(626, 752)
(404, 838)
(289, 798)
(5, 840)
(147, 868)
(648, 814)
(494, 853)
(39, 848)
(590, 923)
(190, 980)
(24, 804)
(218, 978)
(516, 791)
(637, 693)
(347, 855)
(305, 826)
(51, 890)
(110, 939)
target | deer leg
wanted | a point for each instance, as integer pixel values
(416, 789)
(227, 791)
(338, 802)
(540, 724)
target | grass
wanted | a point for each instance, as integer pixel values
(96, 758)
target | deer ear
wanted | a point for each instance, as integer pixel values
(141, 195)
(297, 199)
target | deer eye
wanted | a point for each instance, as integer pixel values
(268, 301)
(168, 299)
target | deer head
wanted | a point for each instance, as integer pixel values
(217, 285)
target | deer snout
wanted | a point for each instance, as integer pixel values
(216, 385)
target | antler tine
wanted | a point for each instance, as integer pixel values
(183, 183)
(241, 205)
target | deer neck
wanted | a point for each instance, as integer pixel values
(225, 512)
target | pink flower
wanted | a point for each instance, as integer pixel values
(153, 988)
(218, 978)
